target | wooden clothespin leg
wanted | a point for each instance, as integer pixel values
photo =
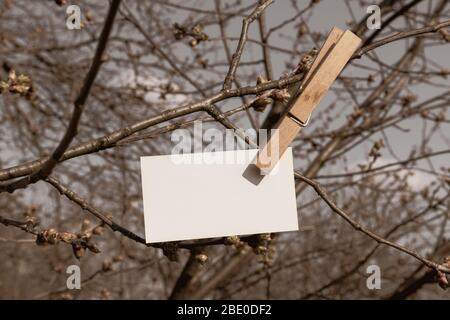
(331, 59)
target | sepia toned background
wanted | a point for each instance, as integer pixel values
(372, 168)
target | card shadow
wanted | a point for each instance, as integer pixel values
(253, 174)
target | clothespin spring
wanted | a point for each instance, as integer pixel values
(297, 120)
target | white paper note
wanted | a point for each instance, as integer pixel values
(205, 196)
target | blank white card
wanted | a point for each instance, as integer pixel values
(205, 195)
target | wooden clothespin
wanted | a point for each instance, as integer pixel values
(331, 59)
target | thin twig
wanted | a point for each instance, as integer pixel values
(242, 41)
(47, 167)
(323, 194)
(399, 36)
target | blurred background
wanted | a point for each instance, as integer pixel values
(378, 143)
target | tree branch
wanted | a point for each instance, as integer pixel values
(47, 167)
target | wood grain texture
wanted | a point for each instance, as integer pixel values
(324, 75)
(331, 59)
